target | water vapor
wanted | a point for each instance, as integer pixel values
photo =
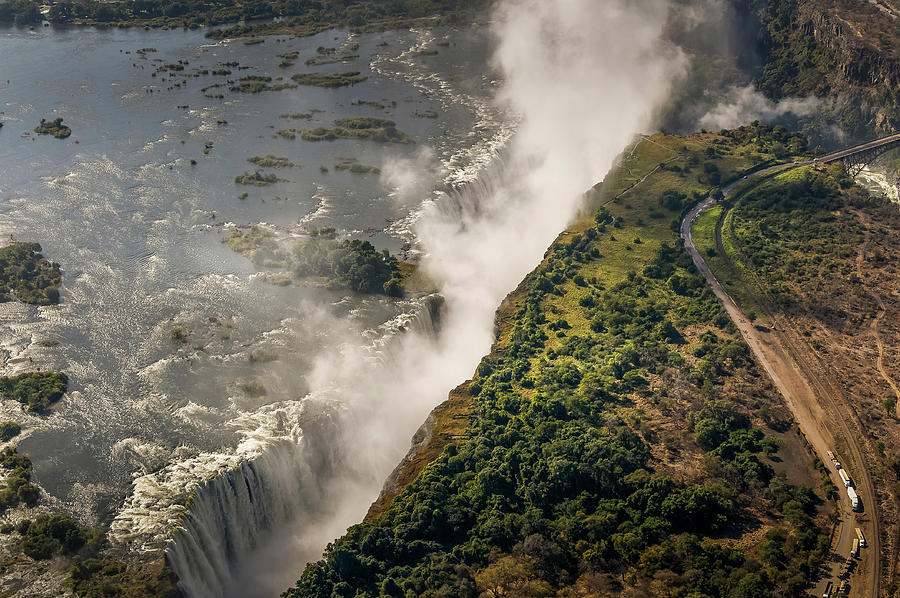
(746, 104)
(581, 78)
(408, 175)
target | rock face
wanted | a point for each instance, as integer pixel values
(845, 49)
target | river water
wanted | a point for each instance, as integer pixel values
(138, 232)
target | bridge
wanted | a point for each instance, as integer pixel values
(859, 156)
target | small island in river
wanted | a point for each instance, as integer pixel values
(55, 128)
(27, 276)
(359, 127)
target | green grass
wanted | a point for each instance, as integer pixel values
(704, 231)
(734, 280)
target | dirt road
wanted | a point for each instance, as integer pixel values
(819, 419)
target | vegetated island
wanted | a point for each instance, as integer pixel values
(27, 276)
(257, 84)
(359, 127)
(54, 127)
(257, 178)
(618, 439)
(270, 161)
(36, 390)
(349, 264)
(330, 56)
(362, 16)
(294, 18)
(79, 550)
(300, 115)
(355, 167)
(329, 79)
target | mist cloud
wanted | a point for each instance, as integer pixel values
(745, 105)
(583, 77)
(412, 178)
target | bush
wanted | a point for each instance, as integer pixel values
(25, 275)
(36, 390)
(8, 431)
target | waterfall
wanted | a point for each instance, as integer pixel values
(258, 514)
(466, 201)
(423, 322)
(231, 516)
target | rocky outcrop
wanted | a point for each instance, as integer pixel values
(867, 57)
(844, 49)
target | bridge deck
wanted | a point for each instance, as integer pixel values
(858, 149)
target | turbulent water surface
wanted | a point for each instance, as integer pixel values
(138, 232)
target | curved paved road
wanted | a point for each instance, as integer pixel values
(814, 417)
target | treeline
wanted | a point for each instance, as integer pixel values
(312, 14)
(20, 12)
(553, 492)
(777, 140)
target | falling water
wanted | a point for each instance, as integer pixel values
(234, 520)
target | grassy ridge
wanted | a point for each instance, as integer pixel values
(615, 439)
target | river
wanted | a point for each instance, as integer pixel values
(138, 231)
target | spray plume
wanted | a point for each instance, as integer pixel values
(746, 104)
(582, 77)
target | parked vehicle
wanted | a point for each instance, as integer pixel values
(845, 476)
(854, 498)
(862, 538)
